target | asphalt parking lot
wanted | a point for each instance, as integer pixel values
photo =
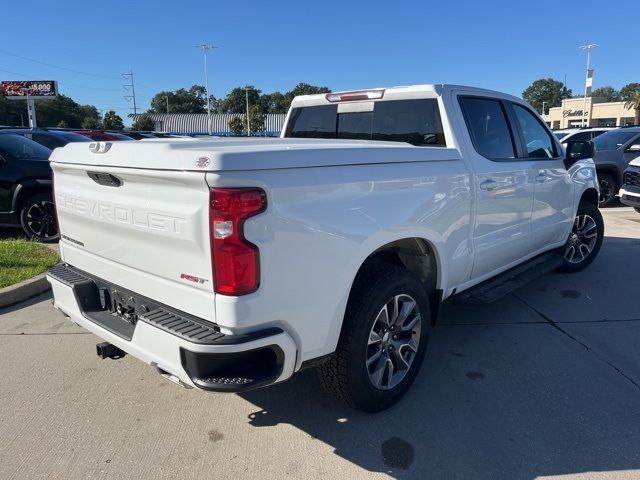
(542, 384)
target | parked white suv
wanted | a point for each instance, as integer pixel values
(231, 264)
(630, 191)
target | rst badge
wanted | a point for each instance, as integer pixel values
(203, 162)
(193, 278)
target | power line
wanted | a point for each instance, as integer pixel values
(57, 66)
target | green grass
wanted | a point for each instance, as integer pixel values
(23, 259)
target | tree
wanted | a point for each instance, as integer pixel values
(143, 123)
(112, 121)
(238, 125)
(633, 103)
(89, 123)
(629, 91)
(546, 90)
(274, 103)
(236, 100)
(609, 93)
(62, 124)
(193, 100)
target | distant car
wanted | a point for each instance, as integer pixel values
(613, 152)
(135, 134)
(630, 191)
(101, 136)
(584, 134)
(562, 134)
(25, 187)
(49, 138)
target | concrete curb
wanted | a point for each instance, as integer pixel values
(24, 290)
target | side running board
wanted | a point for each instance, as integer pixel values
(497, 287)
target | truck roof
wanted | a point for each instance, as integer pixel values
(400, 93)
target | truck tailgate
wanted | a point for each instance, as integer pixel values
(142, 229)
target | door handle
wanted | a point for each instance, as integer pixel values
(542, 177)
(489, 185)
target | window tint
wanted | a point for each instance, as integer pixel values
(16, 146)
(488, 127)
(48, 141)
(313, 122)
(538, 140)
(413, 121)
(355, 125)
(581, 137)
(613, 139)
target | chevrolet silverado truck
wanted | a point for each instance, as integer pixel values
(231, 264)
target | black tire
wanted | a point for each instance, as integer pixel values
(346, 374)
(608, 189)
(580, 235)
(637, 209)
(38, 218)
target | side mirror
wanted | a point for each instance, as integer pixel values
(578, 150)
(634, 148)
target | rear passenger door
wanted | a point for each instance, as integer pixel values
(504, 185)
(552, 212)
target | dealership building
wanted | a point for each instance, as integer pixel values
(599, 113)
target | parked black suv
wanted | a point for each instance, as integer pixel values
(25, 187)
(613, 152)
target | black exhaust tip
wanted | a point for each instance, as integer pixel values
(106, 350)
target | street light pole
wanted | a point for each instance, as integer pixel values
(31, 109)
(246, 94)
(205, 47)
(584, 105)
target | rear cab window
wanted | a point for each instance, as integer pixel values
(415, 121)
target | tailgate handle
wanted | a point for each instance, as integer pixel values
(105, 179)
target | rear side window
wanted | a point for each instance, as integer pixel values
(580, 137)
(488, 128)
(48, 141)
(410, 121)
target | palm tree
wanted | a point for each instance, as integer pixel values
(633, 103)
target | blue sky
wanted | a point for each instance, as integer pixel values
(502, 45)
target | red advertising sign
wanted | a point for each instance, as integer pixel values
(36, 89)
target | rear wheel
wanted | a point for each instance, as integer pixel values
(608, 189)
(585, 239)
(383, 340)
(38, 218)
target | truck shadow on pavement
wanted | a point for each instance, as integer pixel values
(540, 383)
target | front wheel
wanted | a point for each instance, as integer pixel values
(585, 239)
(383, 339)
(608, 189)
(38, 218)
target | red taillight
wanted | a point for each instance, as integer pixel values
(235, 261)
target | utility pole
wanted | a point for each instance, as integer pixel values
(246, 95)
(587, 81)
(543, 104)
(167, 98)
(205, 47)
(130, 87)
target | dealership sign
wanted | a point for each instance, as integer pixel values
(33, 89)
(573, 113)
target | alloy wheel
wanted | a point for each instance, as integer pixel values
(393, 342)
(41, 220)
(582, 239)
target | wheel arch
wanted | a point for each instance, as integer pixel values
(26, 189)
(590, 195)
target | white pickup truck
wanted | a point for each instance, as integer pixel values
(230, 264)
